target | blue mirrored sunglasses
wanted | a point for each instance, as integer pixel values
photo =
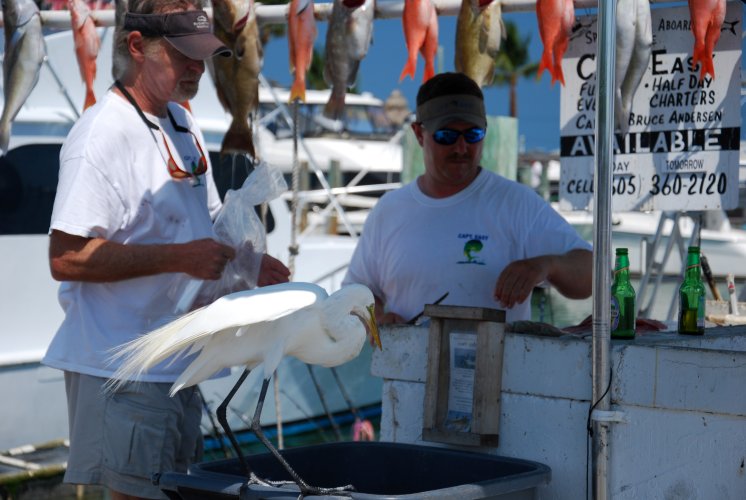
(447, 136)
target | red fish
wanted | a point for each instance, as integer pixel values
(707, 17)
(301, 35)
(420, 23)
(556, 18)
(87, 44)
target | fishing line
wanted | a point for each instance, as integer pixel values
(324, 405)
(293, 246)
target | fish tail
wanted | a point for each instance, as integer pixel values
(429, 70)
(90, 99)
(560, 47)
(298, 90)
(238, 139)
(4, 138)
(545, 64)
(707, 68)
(335, 106)
(409, 69)
(558, 75)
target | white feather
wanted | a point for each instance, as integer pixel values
(256, 327)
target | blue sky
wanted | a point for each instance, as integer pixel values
(538, 101)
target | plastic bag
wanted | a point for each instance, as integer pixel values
(239, 226)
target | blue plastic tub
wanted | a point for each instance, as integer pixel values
(376, 470)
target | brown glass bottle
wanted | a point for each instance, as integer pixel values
(692, 297)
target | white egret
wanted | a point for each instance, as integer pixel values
(255, 329)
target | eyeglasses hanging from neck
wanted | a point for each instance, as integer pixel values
(176, 172)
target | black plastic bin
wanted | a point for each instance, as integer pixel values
(376, 470)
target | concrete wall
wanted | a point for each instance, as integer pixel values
(683, 401)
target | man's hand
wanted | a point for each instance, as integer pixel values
(389, 318)
(386, 318)
(519, 278)
(206, 258)
(571, 274)
(272, 272)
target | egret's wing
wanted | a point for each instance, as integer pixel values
(255, 306)
(225, 314)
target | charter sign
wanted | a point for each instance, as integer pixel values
(682, 148)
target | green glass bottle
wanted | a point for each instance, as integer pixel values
(623, 307)
(692, 297)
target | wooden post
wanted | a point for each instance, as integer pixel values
(480, 427)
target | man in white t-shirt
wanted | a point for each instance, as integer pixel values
(132, 219)
(459, 229)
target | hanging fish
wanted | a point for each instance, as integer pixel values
(478, 32)
(430, 47)
(634, 45)
(301, 35)
(347, 40)
(237, 77)
(555, 18)
(706, 20)
(120, 52)
(420, 23)
(24, 54)
(87, 44)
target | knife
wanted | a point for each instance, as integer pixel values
(414, 320)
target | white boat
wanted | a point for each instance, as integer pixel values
(723, 245)
(33, 396)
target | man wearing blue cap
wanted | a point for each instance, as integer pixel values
(131, 224)
(485, 240)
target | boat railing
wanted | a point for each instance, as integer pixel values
(314, 208)
(283, 109)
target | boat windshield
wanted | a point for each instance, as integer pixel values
(360, 121)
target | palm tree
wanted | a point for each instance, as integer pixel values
(315, 75)
(512, 62)
(269, 31)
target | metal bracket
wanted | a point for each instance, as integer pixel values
(615, 416)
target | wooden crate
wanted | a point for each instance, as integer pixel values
(464, 336)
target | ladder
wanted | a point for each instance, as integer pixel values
(652, 268)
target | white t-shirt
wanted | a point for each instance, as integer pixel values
(414, 248)
(114, 184)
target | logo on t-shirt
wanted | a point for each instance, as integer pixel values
(474, 244)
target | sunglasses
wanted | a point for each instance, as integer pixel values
(448, 136)
(174, 170)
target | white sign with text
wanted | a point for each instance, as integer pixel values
(681, 151)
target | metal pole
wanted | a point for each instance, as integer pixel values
(277, 13)
(602, 243)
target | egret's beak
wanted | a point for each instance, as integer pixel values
(372, 327)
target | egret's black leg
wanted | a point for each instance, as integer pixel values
(305, 488)
(221, 414)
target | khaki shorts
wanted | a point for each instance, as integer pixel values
(121, 439)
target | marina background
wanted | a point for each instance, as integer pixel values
(538, 100)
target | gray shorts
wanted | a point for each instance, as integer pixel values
(121, 439)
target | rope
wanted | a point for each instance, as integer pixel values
(293, 247)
